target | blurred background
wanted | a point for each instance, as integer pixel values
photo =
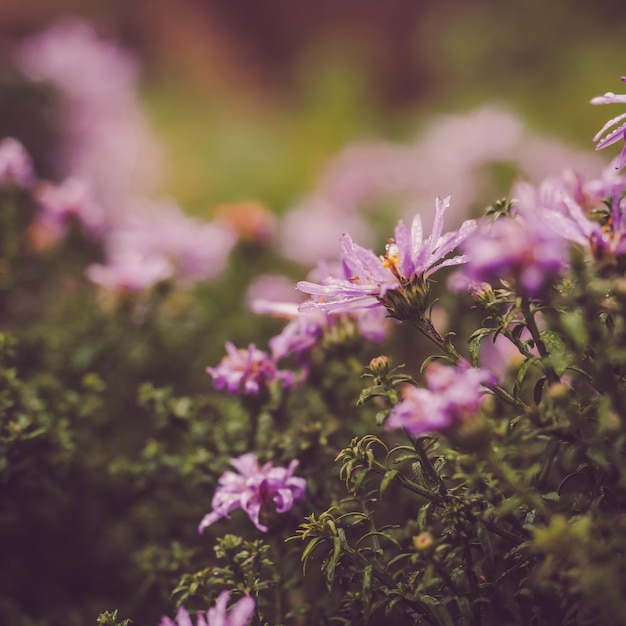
(250, 99)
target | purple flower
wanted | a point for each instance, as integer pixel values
(247, 371)
(166, 243)
(196, 250)
(306, 328)
(561, 212)
(619, 123)
(453, 397)
(257, 489)
(131, 271)
(527, 253)
(72, 198)
(240, 614)
(16, 166)
(107, 139)
(409, 261)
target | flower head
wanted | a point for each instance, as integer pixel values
(617, 124)
(527, 253)
(16, 166)
(396, 280)
(257, 489)
(453, 397)
(240, 614)
(247, 371)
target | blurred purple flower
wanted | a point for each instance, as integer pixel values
(240, 614)
(617, 133)
(364, 174)
(247, 371)
(526, 253)
(367, 277)
(130, 271)
(257, 489)
(299, 335)
(166, 243)
(453, 397)
(16, 166)
(564, 210)
(72, 198)
(308, 232)
(107, 137)
(196, 250)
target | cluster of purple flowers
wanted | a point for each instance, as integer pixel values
(521, 252)
(257, 489)
(106, 139)
(240, 614)
(453, 397)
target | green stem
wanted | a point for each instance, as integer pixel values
(467, 552)
(418, 445)
(553, 377)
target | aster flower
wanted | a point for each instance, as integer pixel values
(257, 489)
(617, 124)
(247, 371)
(527, 252)
(306, 328)
(561, 213)
(453, 397)
(240, 614)
(16, 166)
(397, 280)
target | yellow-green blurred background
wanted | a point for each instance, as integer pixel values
(251, 97)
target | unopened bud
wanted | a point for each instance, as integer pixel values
(380, 365)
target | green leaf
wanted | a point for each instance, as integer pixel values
(538, 389)
(308, 551)
(474, 343)
(387, 480)
(332, 563)
(367, 590)
(422, 517)
(437, 610)
(521, 375)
